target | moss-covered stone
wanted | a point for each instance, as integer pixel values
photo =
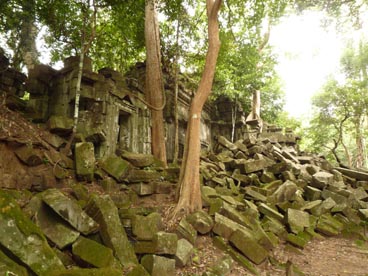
(183, 252)
(24, 239)
(329, 225)
(70, 211)
(239, 258)
(145, 227)
(249, 246)
(84, 160)
(165, 243)
(9, 267)
(76, 271)
(186, 230)
(137, 159)
(201, 221)
(116, 167)
(54, 227)
(103, 210)
(94, 253)
(297, 220)
(221, 267)
(158, 266)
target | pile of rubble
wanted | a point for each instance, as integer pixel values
(262, 191)
(256, 192)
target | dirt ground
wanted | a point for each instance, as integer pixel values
(330, 256)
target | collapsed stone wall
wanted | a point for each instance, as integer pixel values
(111, 116)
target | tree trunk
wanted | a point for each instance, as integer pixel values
(154, 84)
(190, 193)
(176, 92)
(360, 160)
(27, 53)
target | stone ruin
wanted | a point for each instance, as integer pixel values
(111, 116)
(257, 192)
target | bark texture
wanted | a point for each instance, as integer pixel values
(190, 193)
(154, 84)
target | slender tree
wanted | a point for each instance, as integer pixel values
(190, 193)
(154, 83)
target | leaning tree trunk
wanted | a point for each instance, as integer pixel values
(190, 193)
(360, 157)
(154, 83)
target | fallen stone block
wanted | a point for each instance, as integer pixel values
(358, 175)
(220, 243)
(10, 267)
(300, 240)
(255, 165)
(145, 227)
(76, 271)
(221, 267)
(143, 189)
(103, 210)
(312, 193)
(60, 125)
(186, 230)
(285, 192)
(249, 246)
(137, 159)
(322, 179)
(324, 207)
(297, 220)
(226, 143)
(184, 251)
(24, 239)
(329, 226)
(165, 243)
(84, 161)
(268, 211)
(136, 176)
(116, 167)
(29, 156)
(70, 211)
(201, 221)
(274, 226)
(94, 253)
(54, 227)
(225, 227)
(158, 266)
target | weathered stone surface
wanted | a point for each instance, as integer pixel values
(297, 220)
(312, 193)
(135, 176)
(329, 226)
(358, 175)
(186, 230)
(70, 211)
(24, 239)
(145, 227)
(138, 270)
(84, 161)
(158, 266)
(249, 246)
(221, 267)
(224, 226)
(60, 125)
(324, 207)
(138, 160)
(226, 143)
(322, 179)
(116, 167)
(201, 221)
(143, 189)
(300, 240)
(76, 271)
(103, 210)
(285, 192)
(9, 267)
(183, 252)
(220, 243)
(54, 228)
(29, 155)
(268, 211)
(94, 253)
(250, 166)
(165, 243)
